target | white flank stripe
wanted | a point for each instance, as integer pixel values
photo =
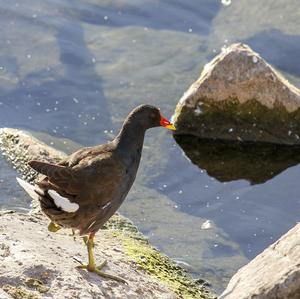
(30, 189)
(88, 227)
(63, 203)
(106, 205)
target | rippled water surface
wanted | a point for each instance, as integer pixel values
(74, 69)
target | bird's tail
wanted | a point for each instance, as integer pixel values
(30, 189)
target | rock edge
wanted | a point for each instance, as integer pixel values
(273, 274)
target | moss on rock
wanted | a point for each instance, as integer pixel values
(36, 284)
(19, 292)
(164, 269)
(232, 120)
(155, 263)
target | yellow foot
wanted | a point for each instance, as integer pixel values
(53, 227)
(97, 270)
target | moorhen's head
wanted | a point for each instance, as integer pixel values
(148, 117)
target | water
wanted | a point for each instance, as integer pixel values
(74, 69)
(11, 198)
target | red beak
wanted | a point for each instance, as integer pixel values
(165, 123)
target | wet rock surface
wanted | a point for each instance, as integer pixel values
(240, 97)
(275, 273)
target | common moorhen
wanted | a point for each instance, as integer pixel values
(86, 189)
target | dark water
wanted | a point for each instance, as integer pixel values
(74, 69)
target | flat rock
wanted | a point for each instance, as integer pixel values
(275, 273)
(240, 97)
(39, 264)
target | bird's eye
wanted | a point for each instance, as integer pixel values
(152, 115)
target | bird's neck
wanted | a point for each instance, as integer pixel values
(129, 142)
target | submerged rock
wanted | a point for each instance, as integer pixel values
(273, 274)
(240, 97)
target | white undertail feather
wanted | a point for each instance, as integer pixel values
(30, 189)
(63, 203)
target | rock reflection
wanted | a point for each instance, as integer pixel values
(228, 161)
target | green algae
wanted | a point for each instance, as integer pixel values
(19, 292)
(231, 120)
(164, 269)
(37, 285)
(155, 263)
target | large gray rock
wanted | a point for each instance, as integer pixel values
(275, 273)
(240, 97)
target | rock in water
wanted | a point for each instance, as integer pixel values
(273, 274)
(240, 97)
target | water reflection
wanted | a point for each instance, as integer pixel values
(229, 161)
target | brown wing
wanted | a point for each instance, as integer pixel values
(87, 152)
(94, 177)
(60, 176)
(70, 175)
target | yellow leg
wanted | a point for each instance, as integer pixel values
(53, 227)
(91, 266)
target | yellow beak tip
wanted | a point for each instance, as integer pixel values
(170, 127)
